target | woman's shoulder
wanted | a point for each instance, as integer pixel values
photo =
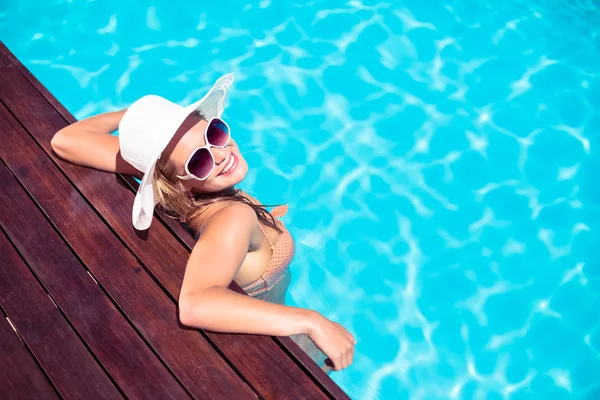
(222, 212)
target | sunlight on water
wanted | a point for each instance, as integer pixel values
(439, 160)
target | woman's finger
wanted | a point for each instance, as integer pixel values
(346, 359)
(339, 363)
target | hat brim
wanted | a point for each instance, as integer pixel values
(144, 202)
(213, 103)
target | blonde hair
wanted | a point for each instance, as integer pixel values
(175, 201)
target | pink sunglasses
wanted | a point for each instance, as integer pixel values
(201, 162)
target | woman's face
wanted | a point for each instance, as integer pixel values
(191, 136)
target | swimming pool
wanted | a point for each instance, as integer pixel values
(439, 160)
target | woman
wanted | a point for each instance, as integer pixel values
(189, 165)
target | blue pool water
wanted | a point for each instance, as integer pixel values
(440, 160)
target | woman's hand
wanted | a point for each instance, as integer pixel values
(333, 340)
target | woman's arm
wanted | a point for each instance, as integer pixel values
(206, 302)
(88, 142)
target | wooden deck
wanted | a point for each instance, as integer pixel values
(87, 303)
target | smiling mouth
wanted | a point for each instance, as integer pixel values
(231, 165)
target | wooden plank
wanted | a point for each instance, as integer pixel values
(299, 356)
(199, 367)
(126, 357)
(61, 354)
(20, 377)
(256, 357)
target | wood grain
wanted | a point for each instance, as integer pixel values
(193, 361)
(20, 377)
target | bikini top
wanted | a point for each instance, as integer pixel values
(282, 253)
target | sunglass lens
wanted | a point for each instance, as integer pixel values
(201, 163)
(218, 133)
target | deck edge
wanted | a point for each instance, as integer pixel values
(294, 352)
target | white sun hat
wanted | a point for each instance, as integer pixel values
(146, 129)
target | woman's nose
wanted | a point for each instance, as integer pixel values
(219, 154)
